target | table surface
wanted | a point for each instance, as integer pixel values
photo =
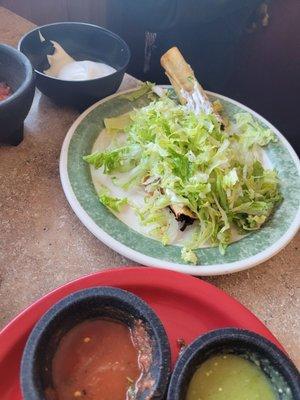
(43, 245)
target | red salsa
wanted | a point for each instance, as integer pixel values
(5, 91)
(97, 360)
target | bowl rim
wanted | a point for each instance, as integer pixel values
(28, 384)
(29, 78)
(107, 31)
(242, 336)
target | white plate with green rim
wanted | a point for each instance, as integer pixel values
(253, 249)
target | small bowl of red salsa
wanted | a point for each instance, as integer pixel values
(17, 86)
(101, 343)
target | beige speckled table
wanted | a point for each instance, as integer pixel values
(43, 244)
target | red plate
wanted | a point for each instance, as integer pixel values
(187, 307)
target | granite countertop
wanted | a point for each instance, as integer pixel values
(44, 245)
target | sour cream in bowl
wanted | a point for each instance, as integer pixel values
(63, 66)
(83, 70)
(76, 64)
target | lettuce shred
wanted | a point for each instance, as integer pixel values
(188, 256)
(117, 124)
(185, 159)
(114, 204)
(143, 89)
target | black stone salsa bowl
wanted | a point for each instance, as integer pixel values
(283, 375)
(82, 42)
(98, 302)
(16, 71)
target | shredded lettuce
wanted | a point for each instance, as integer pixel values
(185, 159)
(117, 124)
(114, 204)
(144, 88)
(251, 133)
(188, 256)
(121, 159)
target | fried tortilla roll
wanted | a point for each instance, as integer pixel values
(179, 73)
(191, 94)
(185, 84)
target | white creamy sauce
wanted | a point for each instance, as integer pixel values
(83, 70)
(63, 66)
(196, 102)
(136, 197)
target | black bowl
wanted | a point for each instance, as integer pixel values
(92, 303)
(82, 42)
(276, 365)
(16, 71)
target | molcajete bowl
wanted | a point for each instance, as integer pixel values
(90, 304)
(282, 374)
(16, 71)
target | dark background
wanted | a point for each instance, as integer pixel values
(225, 41)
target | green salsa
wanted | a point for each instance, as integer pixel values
(229, 377)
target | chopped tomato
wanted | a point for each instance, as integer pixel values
(5, 91)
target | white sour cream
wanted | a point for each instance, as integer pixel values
(63, 66)
(196, 101)
(82, 70)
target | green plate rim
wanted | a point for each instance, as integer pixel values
(137, 247)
